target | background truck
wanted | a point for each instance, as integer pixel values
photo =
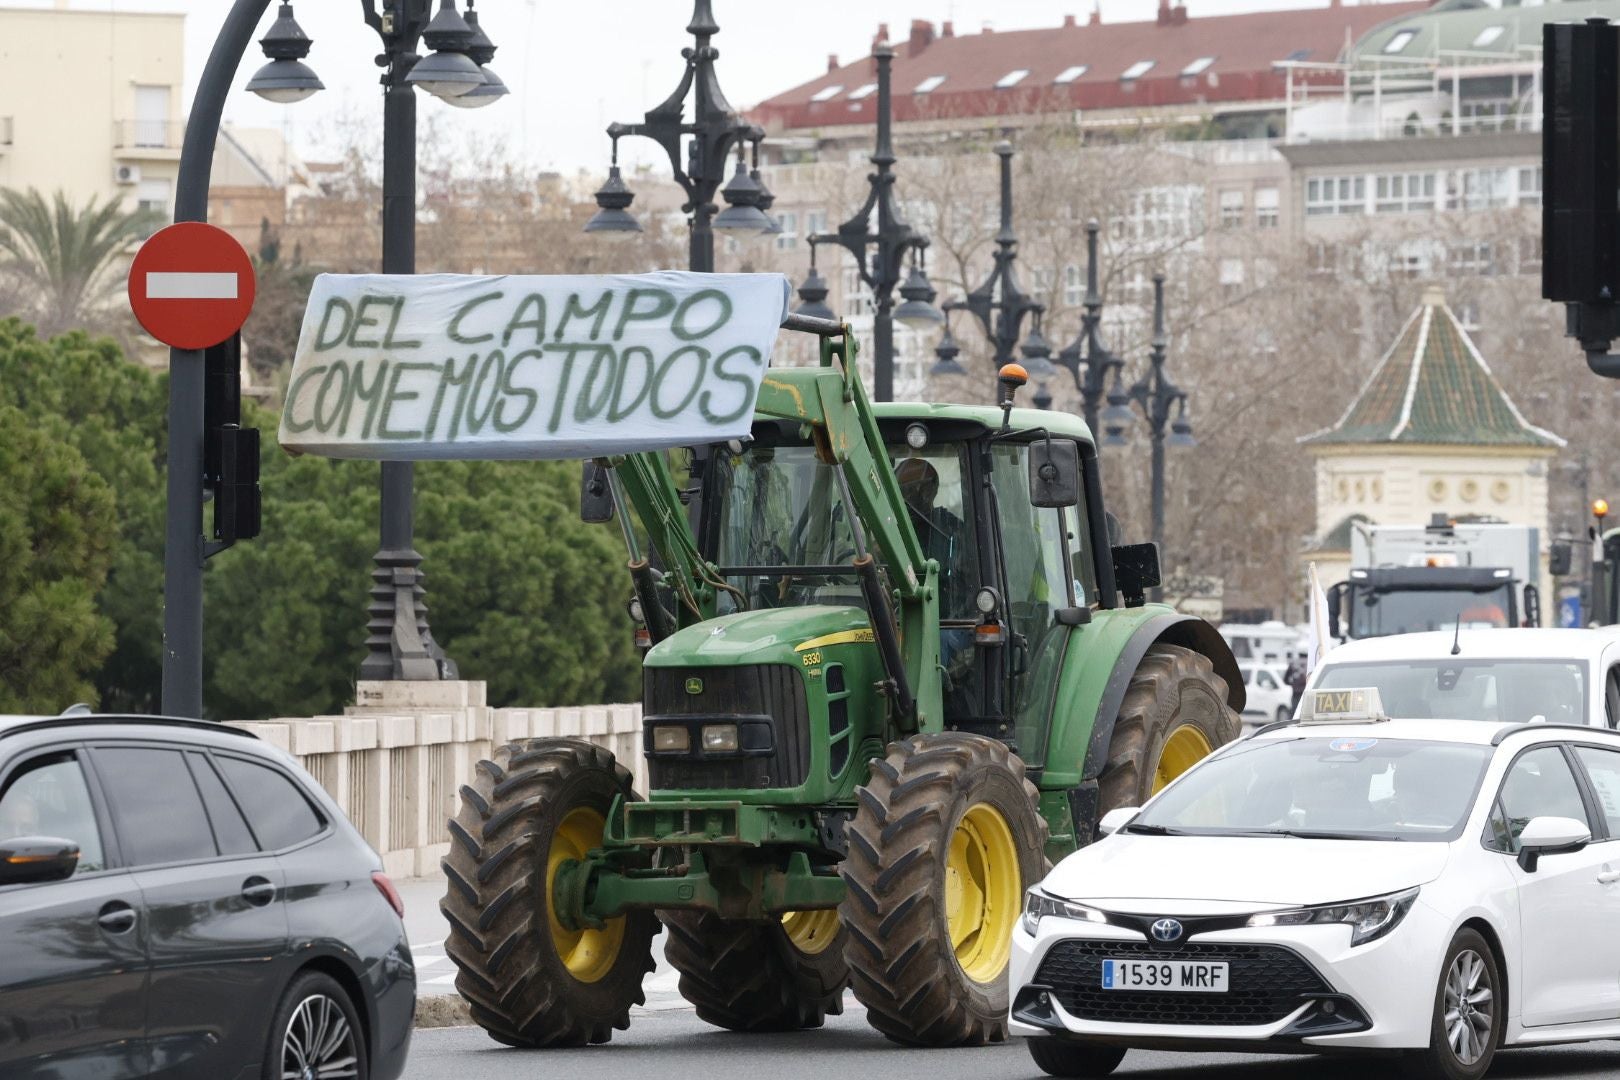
(1409, 578)
(895, 667)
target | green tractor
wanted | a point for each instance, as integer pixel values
(895, 666)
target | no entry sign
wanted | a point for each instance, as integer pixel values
(191, 285)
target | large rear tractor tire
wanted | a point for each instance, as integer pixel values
(947, 837)
(529, 980)
(781, 975)
(1173, 715)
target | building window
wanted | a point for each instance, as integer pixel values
(827, 93)
(151, 116)
(1530, 186)
(1137, 70)
(1012, 78)
(1485, 115)
(1399, 193)
(815, 222)
(863, 91)
(1231, 276)
(1074, 286)
(1198, 66)
(1162, 213)
(1231, 208)
(1399, 42)
(1530, 254)
(1473, 258)
(929, 85)
(1069, 74)
(1409, 261)
(1468, 315)
(1487, 35)
(154, 195)
(1266, 212)
(1481, 189)
(788, 238)
(857, 298)
(1335, 195)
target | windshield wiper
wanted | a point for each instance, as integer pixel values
(1312, 834)
(1151, 830)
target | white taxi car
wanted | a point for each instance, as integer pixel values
(1344, 883)
(1559, 676)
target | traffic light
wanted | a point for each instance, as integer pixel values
(1581, 173)
(230, 451)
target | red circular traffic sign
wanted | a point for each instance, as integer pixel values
(191, 285)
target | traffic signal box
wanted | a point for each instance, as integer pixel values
(230, 451)
(1581, 182)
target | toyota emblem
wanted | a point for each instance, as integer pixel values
(1166, 930)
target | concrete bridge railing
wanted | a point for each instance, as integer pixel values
(395, 761)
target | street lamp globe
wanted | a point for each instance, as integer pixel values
(1118, 415)
(917, 310)
(1037, 354)
(481, 50)
(447, 71)
(742, 213)
(814, 294)
(1115, 437)
(286, 78)
(947, 351)
(613, 201)
(1181, 435)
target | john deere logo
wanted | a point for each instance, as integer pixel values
(694, 686)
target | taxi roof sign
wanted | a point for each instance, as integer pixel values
(1353, 705)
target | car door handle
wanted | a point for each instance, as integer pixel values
(1608, 876)
(116, 917)
(257, 891)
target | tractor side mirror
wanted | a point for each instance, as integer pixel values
(595, 495)
(1560, 557)
(1054, 473)
(1532, 606)
(1136, 570)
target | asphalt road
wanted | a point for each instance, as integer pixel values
(675, 1045)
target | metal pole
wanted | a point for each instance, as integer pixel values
(1157, 593)
(183, 530)
(399, 644)
(886, 266)
(883, 349)
(700, 259)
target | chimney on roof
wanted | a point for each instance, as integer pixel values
(832, 62)
(1096, 14)
(1068, 22)
(882, 37)
(947, 29)
(1164, 12)
(922, 36)
(1178, 16)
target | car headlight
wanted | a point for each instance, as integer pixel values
(1368, 919)
(1037, 906)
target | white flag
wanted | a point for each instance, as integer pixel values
(1317, 640)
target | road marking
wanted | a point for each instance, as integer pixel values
(190, 286)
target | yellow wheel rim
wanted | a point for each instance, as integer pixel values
(811, 931)
(983, 889)
(587, 954)
(1185, 748)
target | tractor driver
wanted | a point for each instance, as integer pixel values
(944, 538)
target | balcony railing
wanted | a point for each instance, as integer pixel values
(147, 135)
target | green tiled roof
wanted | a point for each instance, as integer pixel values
(1433, 388)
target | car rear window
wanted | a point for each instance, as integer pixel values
(1461, 688)
(278, 811)
(230, 829)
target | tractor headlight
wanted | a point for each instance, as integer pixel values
(672, 738)
(916, 436)
(637, 615)
(1038, 906)
(719, 736)
(987, 600)
(1368, 919)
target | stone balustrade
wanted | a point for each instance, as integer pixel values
(395, 760)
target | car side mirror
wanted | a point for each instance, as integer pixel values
(28, 859)
(1054, 473)
(1116, 819)
(595, 495)
(1532, 606)
(1335, 606)
(1550, 836)
(1136, 570)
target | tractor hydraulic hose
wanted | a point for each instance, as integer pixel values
(658, 622)
(885, 634)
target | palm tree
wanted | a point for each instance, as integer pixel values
(66, 262)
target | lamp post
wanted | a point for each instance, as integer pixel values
(892, 238)
(1087, 351)
(286, 78)
(1000, 305)
(399, 643)
(716, 129)
(1155, 394)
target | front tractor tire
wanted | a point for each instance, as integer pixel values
(781, 975)
(1173, 715)
(946, 838)
(529, 980)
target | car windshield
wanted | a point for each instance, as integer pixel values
(1457, 688)
(1409, 611)
(1338, 787)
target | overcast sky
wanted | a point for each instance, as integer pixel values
(575, 67)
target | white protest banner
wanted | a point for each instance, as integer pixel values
(435, 366)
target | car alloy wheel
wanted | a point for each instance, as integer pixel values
(318, 1043)
(1469, 1005)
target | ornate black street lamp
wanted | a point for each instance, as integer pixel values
(715, 131)
(892, 238)
(1155, 395)
(1088, 352)
(1000, 305)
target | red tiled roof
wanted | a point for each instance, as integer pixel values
(1245, 49)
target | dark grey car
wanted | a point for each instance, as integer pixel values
(179, 899)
